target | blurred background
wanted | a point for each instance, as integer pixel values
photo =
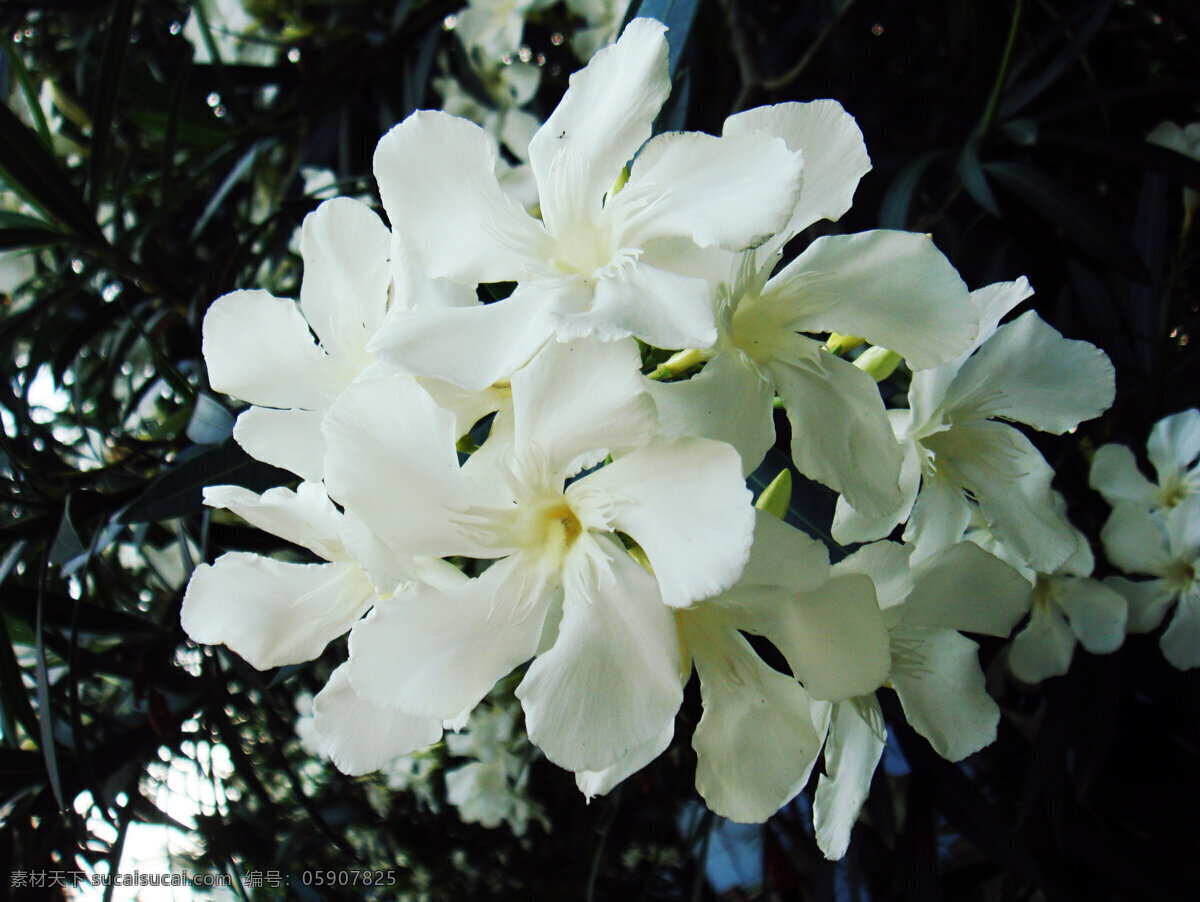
(155, 155)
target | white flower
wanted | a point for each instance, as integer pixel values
(891, 287)
(934, 669)
(492, 788)
(260, 348)
(603, 18)
(956, 450)
(274, 612)
(1168, 549)
(756, 742)
(493, 28)
(1185, 140)
(1173, 449)
(586, 267)
(606, 678)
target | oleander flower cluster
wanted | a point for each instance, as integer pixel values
(551, 481)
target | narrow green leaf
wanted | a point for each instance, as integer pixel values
(1081, 222)
(897, 202)
(1020, 96)
(44, 709)
(179, 491)
(108, 82)
(17, 65)
(28, 169)
(971, 172)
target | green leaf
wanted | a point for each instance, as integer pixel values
(28, 169)
(1081, 222)
(894, 211)
(678, 16)
(108, 81)
(179, 491)
(971, 172)
(1141, 154)
(45, 711)
(1020, 96)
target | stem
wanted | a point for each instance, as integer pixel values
(989, 112)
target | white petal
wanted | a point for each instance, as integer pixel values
(603, 118)
(344, 291)
(305, 516)
(1029, 373)
(965, 588)
(1180, 642)
(1174, 443)
(258, 348)
(1010, 479)
(1134, 541)
(782, 557)
(611, 682)
(685, 502)
(391, 461)
(662, 308)
(841, 435)
(361, 737)
(943, 694)
(835, 156)
(1097, 613)
(472, 347)
(895, 289)
(594, 783)
(833, 637)
(438, 651)
(1116, 476)
(1148, 601)
(291, 439)
(994, 303)
(851, 526)
(270, 612)
(581, 397)
(728, 401)
(731, 192)
(436, 176)
(887, 563)
(939, 517)
(755, 743)
(1043, 649)
(852, 752)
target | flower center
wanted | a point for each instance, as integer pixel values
(1172, 491)
(549, 527)
(1181, 574)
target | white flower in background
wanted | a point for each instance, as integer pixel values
(413, 773)
(605, 679)
(1184, 140)
(958, 454)
(935, 670)
(507, 89)
(1173, 449)
(580, 269)
(603, 18)
(1067, 608)
(492, 28)
(306, 727)
(235, 34)
(1167, 548)
(492, 789)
